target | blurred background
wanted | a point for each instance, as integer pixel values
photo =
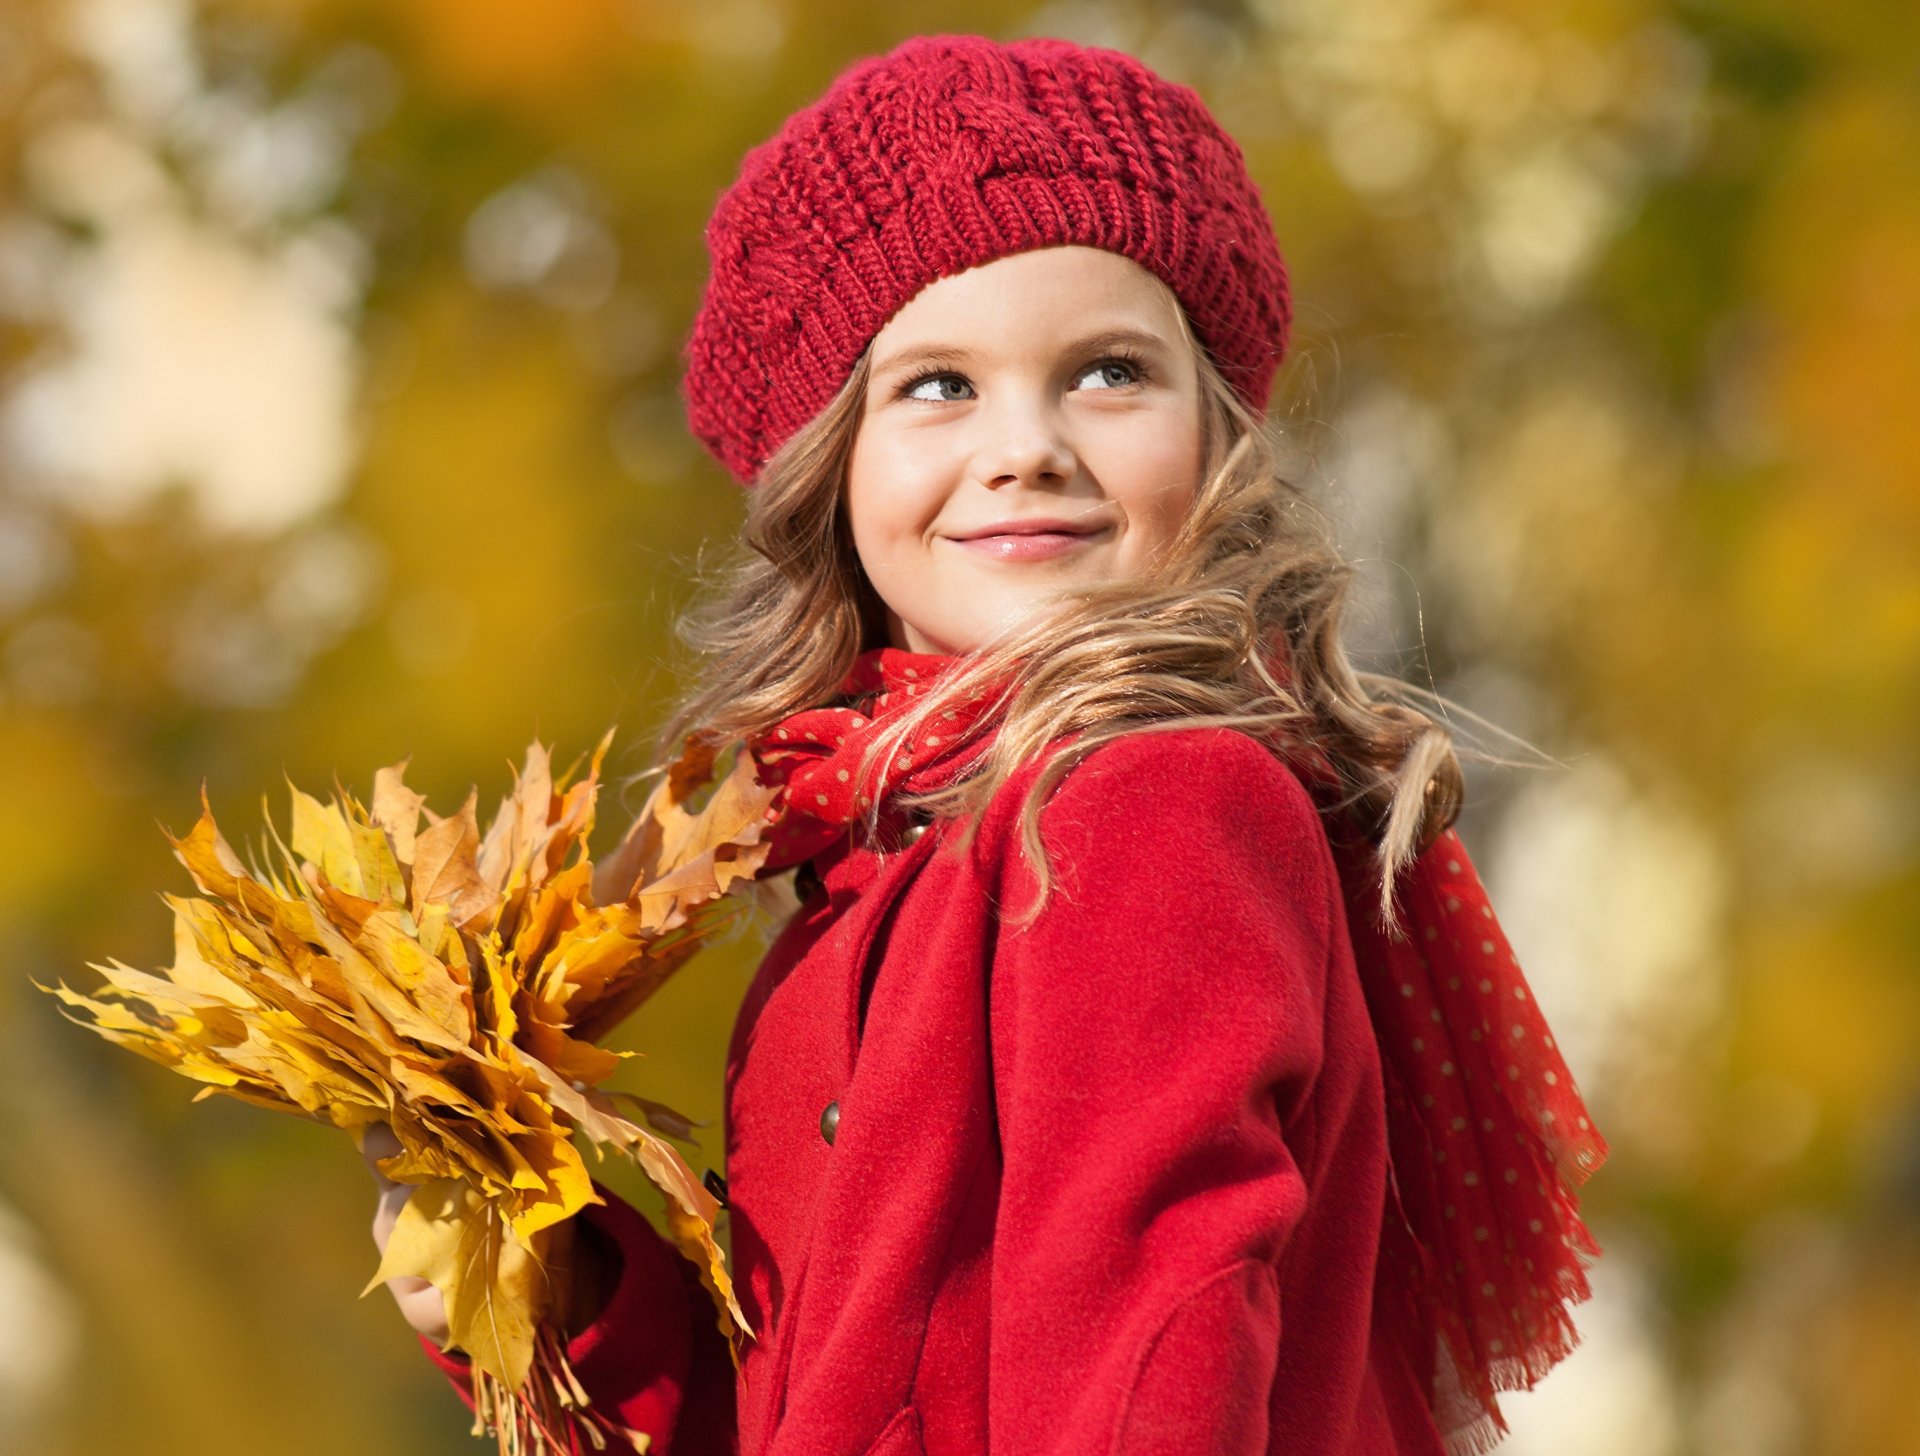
(338, 347)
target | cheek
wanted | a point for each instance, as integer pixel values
(1157, 488)
(889, 503)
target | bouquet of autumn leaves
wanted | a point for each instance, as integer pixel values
(454, 984)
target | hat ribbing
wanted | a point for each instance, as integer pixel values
(945, 153)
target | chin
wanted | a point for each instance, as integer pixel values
(988, 623)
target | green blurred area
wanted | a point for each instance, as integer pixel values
(338, 424)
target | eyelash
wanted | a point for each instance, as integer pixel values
(1122, 355)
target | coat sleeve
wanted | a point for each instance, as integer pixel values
(655, 1359)
(1154, 1030)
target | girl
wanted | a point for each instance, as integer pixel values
(1142, 1068)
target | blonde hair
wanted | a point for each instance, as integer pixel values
(1252, 572)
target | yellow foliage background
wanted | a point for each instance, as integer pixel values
(338, 423)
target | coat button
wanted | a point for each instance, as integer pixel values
(830, 1122)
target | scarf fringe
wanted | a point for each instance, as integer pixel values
(1476, 1439)
(1471, 1423)
(1486, 1427)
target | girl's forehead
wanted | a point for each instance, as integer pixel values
(1041, 292)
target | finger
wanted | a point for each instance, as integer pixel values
(377, 1141)
(386, 1213)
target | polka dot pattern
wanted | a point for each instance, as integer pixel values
(815, 755)
(1487, 1135)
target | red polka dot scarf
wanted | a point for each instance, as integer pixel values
(816, 754)
(1488, 1138)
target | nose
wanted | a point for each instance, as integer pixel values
(1023, 445)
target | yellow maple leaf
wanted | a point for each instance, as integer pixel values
(495, 1286)
(454, 984)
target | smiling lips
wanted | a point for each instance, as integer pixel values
(1039, 539)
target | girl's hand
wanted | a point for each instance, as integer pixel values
(584, 1263)
(420, 1303)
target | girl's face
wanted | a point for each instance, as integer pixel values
(1031, 427)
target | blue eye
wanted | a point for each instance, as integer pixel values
(938, 383)
(1114, 373)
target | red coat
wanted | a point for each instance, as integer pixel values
(1112, 1183)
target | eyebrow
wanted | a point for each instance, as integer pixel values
(937, 353)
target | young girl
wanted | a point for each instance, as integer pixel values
(1142, 1069)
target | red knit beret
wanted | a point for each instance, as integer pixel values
(947, 152)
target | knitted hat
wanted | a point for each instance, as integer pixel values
(948, 152)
